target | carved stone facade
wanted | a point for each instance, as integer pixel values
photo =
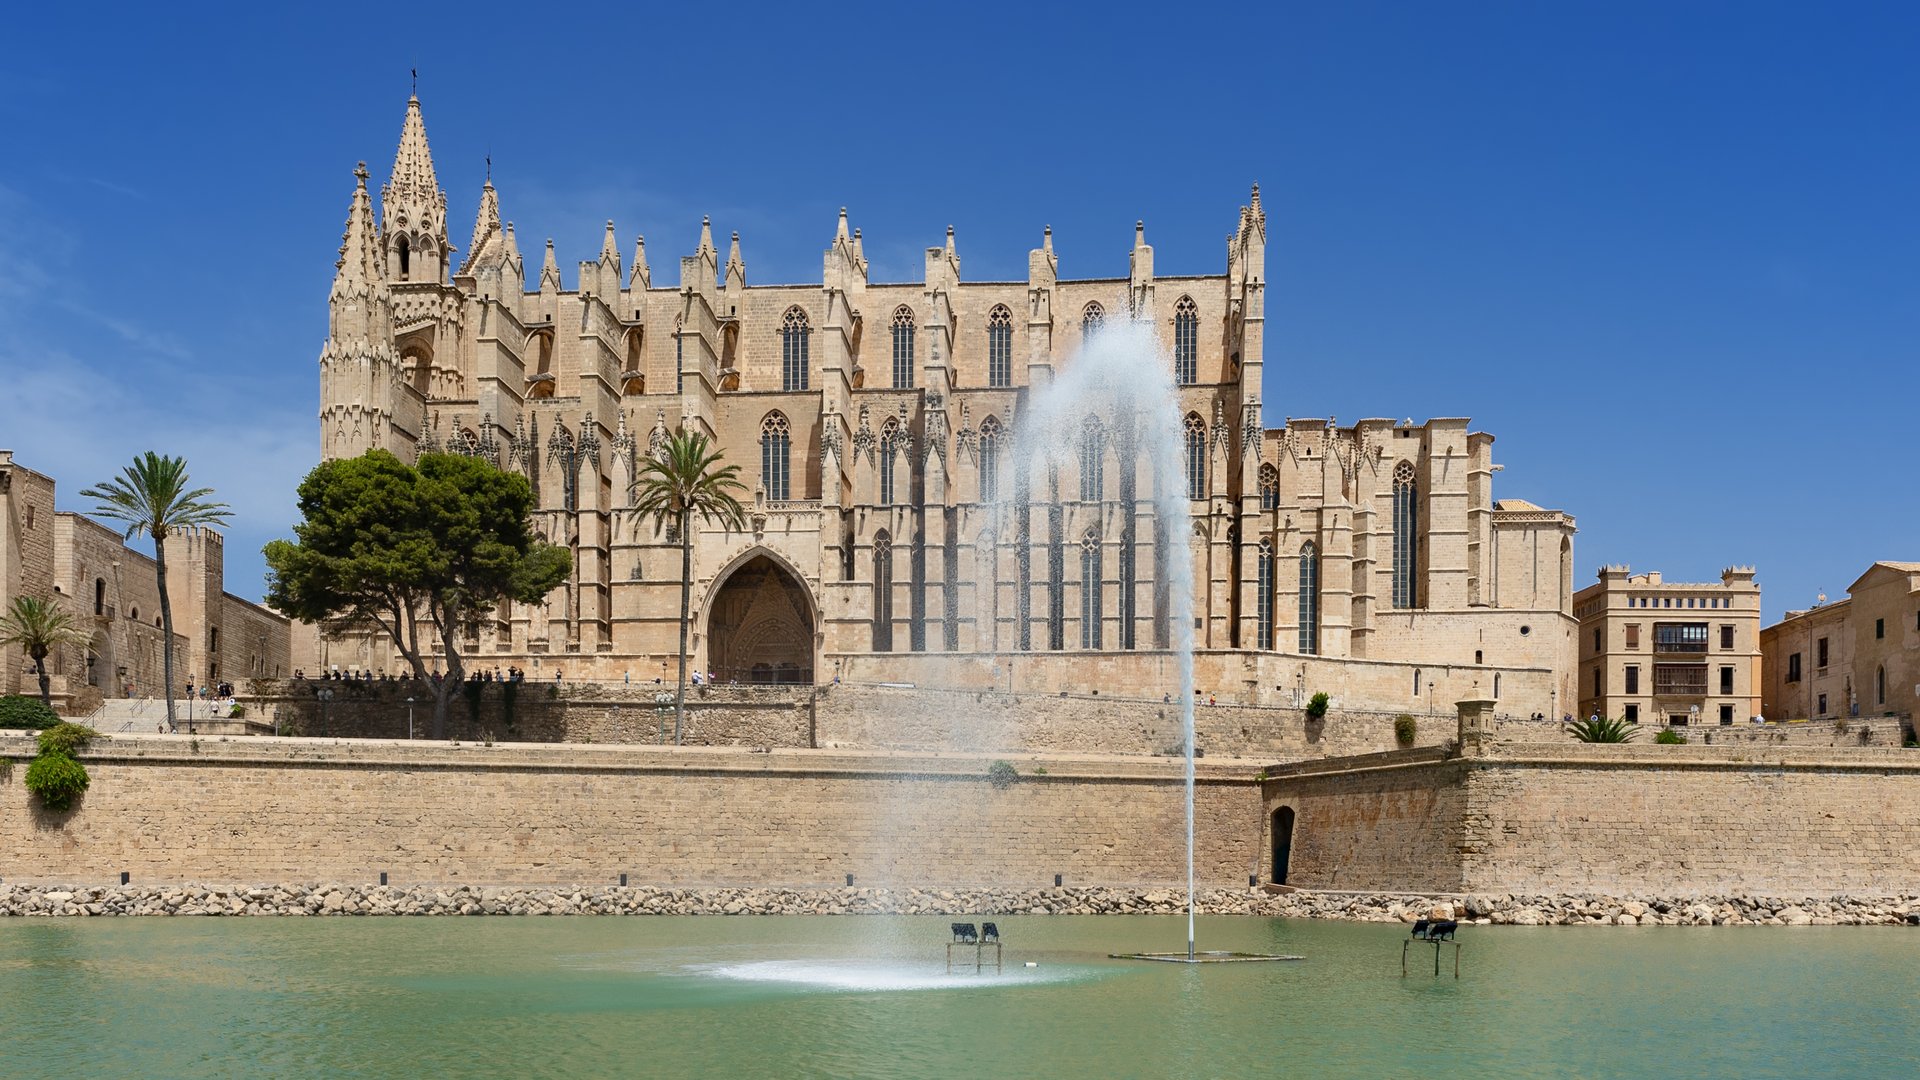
(874, 425)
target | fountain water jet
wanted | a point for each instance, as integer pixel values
(1122, 376)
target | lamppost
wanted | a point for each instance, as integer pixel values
(409, 718)
(325, 694)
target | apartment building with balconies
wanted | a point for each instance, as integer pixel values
(1674, 653)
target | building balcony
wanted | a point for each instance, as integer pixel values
(1682, 691)
(1681, 648)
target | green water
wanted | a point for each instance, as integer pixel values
(834, 997)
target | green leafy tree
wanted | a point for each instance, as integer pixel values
(1602, 729)
(413, 552)
(684, 479)
(151, 497)
(39, 627)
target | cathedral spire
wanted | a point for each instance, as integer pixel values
(609, 247)
(413, 209)
(706, 237)
(486, 224)
(360, 309)
(357, 362)
(550, 270)
(642, 278)
(736, 266)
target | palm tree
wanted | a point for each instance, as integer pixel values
(40, 626)
(151, 496)
(682, 479)
(1599, 728)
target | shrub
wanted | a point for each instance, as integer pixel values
(1602, 729)
(237, 711)
(57, 779)
(20, 711)
(1669, 737)
(1000, 774)
(65, 738)
(1404, 729)
(1317, 706)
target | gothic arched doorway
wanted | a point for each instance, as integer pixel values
(760, 626)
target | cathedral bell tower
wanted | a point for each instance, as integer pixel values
(413, 209)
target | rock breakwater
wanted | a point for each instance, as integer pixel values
(343, 899)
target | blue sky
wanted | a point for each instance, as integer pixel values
(1666, 252)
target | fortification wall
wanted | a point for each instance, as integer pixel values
(1611, 819)
(1233, 676)
(1385, 822)
(171, 809)
(834, 717)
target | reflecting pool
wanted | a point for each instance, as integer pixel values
(870, 996)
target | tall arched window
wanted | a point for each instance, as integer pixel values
(679, 346)
(1091, 573)
(1880, 685)
(775, 442)
(989, 459)
(1309, 599)
(1000, 346)
(1092, 460)
(889, 442)
(902, 347)
(1196, 457)
(1056, 580)
(1186, 342)
(1263, 602)
(1269, 488)
(794, 332)
(882, 592)
(406, 259)
(99, 596)
(1406, 510)
(1091, 317)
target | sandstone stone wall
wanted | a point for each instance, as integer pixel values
(1380, 822)
(839, 717)
(1573, 818)
(539, 712)
(921, 719)
(171, 809)
(1234, 677)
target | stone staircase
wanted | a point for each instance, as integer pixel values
(149, 715)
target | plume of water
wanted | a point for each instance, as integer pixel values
(1122, 378)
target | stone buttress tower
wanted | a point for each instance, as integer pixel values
(357, 364)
